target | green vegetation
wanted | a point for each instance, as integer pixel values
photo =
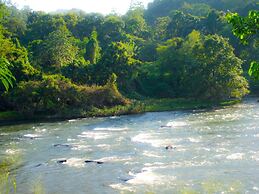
(6, 76)
(7, 180)
(246, 28)
(75, 64)
(153, 105)
(135, 107)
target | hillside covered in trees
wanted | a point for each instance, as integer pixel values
(59, 62)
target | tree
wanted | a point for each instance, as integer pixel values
(182, 24)
(221, 70)
(87, 24)
(212, 21)
(161, 26)
(196, 9)
(135, 23)
(112, 29)
(40, 25)
(118, 58)
(93, 49)
(245, 28)
(3, 13)
(202, 67)
(59, 48)
(15, 21)
(14, 57)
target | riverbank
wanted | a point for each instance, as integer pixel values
(147, 105)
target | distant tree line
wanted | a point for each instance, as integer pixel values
(174, 48)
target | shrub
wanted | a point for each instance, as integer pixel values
(55, 94)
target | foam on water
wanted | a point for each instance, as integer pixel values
(114, 117)
(236, 156)
(194, 140)
(115, 159)
(94, 135)
(110, 129)
(231, 116)
(75, 162)
(104, 146)
(255, 156)
(149, 139)
(122, 187)
(32, 135)
(72, 120)
(220, 150)
(70, 139)
(81, 147)
(147, 176)
(39, 130)
(176, 124)
(155, 164)
(152, 154)
(72, 162)
(4, 134)
(12, 151)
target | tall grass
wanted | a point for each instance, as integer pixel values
(7, 180)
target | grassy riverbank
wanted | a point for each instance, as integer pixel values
(147, 105)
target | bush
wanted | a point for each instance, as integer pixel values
(55, 94)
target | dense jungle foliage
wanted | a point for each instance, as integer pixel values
(51, 62)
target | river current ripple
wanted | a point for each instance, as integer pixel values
(209, 151)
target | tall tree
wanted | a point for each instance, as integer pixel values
(112, 29)
(182, 24)
(161, 26)
(93, 49)
(117, 58)
(59, 48)
(135, 23)
(202, 67)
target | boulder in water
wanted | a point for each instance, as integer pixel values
(125, 179)
(170, 147)
(92, 161)
(61, 161)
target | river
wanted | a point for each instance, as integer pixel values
(209, 151)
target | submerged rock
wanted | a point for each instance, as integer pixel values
(38, 165)
(61, 161)
(92, 161)
(164, 126)
(170, 147)
(62, 145)
(125, 179)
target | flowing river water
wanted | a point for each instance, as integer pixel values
(209, 151)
